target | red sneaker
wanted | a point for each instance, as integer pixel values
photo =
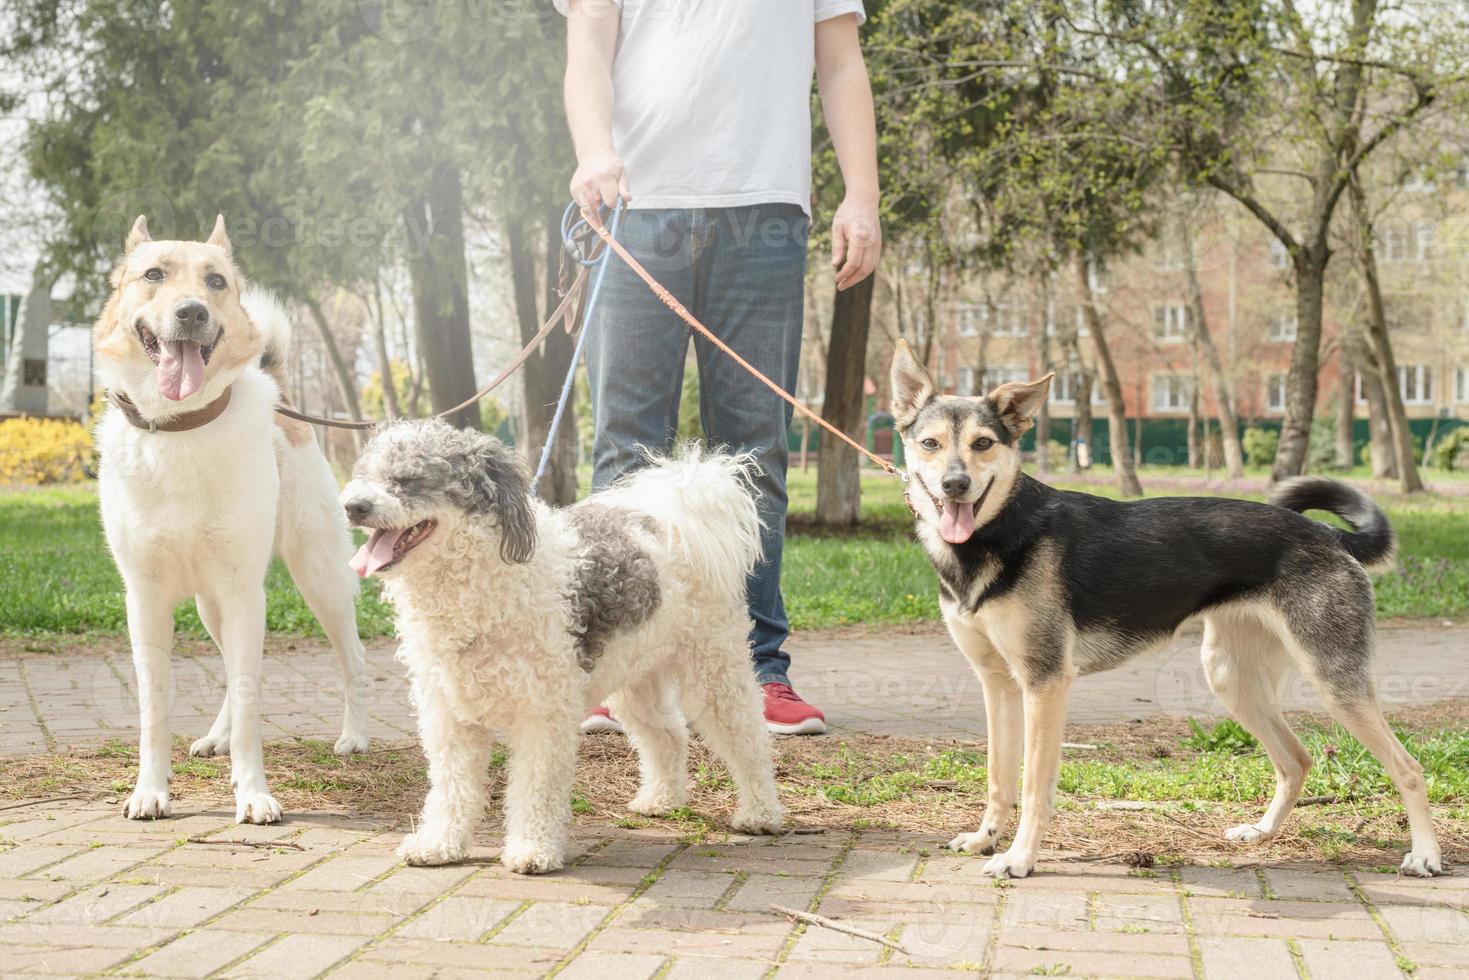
(598, 720)
(787, 714)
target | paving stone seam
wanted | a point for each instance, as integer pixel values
(798, 929)
(25, 680)
(1399, 956)
(1190, 933)
(649, 880)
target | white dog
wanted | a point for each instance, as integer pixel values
(516, 617)
(200, 482)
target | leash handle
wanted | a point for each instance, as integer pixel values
(594, 222)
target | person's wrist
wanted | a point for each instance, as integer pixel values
(863, 196)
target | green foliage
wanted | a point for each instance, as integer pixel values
(1260, 445)
(1321, 456)
(1224, 736)
(1452, 451)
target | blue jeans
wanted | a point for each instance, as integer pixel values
(741, 271)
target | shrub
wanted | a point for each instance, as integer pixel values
(34, 451)
(1452, 451)
(1260, 446)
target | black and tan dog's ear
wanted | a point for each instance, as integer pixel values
(218, 236)
(1017, 402)
(912, 386)
(138, 235)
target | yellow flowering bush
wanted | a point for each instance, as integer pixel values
(34, 451)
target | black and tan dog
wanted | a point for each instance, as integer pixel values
(1039, 585)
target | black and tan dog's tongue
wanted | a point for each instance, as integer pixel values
(956, 522)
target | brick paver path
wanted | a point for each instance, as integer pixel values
(85, 892)
(896, 684)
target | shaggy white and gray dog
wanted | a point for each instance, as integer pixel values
(517, 618)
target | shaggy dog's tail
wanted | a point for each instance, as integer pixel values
(270, 317)
(706, 501)
(1371, 540)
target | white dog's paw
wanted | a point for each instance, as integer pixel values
(655, 802)
(981, 841)
(257, 808)
(210, 745)
(147, 804)
(1422, 865)
(1247, 833)
(768, 819)
(350, 742)
(1010, 864)
(428, 848)
(532, 857)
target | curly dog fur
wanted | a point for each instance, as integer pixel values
(517, 618)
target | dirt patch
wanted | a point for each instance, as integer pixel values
(833, 784)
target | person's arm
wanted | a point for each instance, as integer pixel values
(846, 103)
(591, 42)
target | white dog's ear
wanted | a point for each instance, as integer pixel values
(912, 386)
(218, 236)
(1017, 402)
(138, 235)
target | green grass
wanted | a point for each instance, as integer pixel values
(57, 577)
(1226, 774)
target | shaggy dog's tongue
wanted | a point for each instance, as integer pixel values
(377, 552)
(956, 523)
(180, 368)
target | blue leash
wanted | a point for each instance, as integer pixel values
(569, 231)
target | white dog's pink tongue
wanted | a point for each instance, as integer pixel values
(376, 552)
(956, 523)
(180, 368)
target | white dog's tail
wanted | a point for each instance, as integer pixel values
(707, 502)
(270, 317)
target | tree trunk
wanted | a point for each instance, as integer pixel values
(1234, 453)
(1122, 459)
(440, 278)
(23, 388)
(1345, 414)
(1381, 344)
(341, 370)
(1380, 448)
(1043, 417)
(1301, 382)
(391, 409)
(545, 371)
(838, 473)
(1081, 428)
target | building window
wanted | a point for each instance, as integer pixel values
(1275, 393)
(966, 382)
(1392, 245)
(1011, 321)
(1063, 387)
(1461, 386)
(1096, 276)
(1170, 323)
(1282, 328)
(996, 376)
(1415, 382)
(1170, 392)
(1424, 232)
(1082, 330)
(1279, 255)
(971, 318)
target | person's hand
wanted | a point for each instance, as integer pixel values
(600, 179)
(856, 240)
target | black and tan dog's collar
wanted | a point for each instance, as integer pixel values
(196, 419)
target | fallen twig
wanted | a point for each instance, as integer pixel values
(1318, 800)
(241, 842)
(811, 918)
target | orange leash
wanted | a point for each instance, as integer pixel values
(669, 300)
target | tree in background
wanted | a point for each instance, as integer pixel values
(1261, 90)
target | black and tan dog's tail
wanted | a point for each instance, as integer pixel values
(1371, 540)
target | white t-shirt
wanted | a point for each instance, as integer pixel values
(712, 99)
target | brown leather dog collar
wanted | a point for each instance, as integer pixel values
(198, 418)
